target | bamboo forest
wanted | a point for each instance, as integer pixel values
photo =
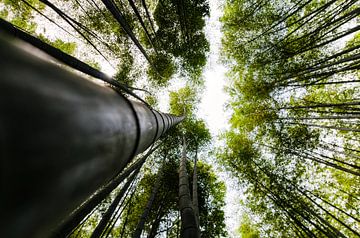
(179, 118)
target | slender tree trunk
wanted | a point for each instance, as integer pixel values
(155, 225)
(336, 207)
(302, 154)
(111, 6)
(137, 13)
(319, 160)
(195, 194)
(272, 27)
(333, 159)
(322, 118)
(130, 204)
(325, 127)
(327, 212)
(330, 112)
(148, 16)
(118, 214)
(304, 193)
(344, 148)
(324, 105)
(149, 204)
(285, 208)
(334, 56)
(324, 83)
(110, 211)
(188, 221)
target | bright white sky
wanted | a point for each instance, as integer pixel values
(212, 110)
(212, 103)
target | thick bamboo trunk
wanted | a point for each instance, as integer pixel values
(188, 221)
(62, 137)
(81, 212)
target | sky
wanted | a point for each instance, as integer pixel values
(212, 110)
(212, 103)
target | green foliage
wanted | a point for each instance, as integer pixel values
(183, 101)
(293, 88)
(125, 68)
(165, 206)
(21, 14)
(247, 229)
(162, 70)
(151, 100)
(66, 47)
(180, 34)
(211, 194)
(94, 64)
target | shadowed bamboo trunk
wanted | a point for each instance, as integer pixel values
(195, 194)
(188, 221)
(99, 229)
(81, 212)
(145, 214)
(62, 137)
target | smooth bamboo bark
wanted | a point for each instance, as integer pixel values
(188, 221)
(80, 213)
(62, 137)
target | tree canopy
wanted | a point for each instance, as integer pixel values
(293, 142)
(293, 83)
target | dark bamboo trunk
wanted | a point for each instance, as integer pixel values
(195, 194)
(149, 204)
(99, 229)
(80, 213)
(62, 138)
(188, 221)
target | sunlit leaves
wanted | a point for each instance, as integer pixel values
(293, 87)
